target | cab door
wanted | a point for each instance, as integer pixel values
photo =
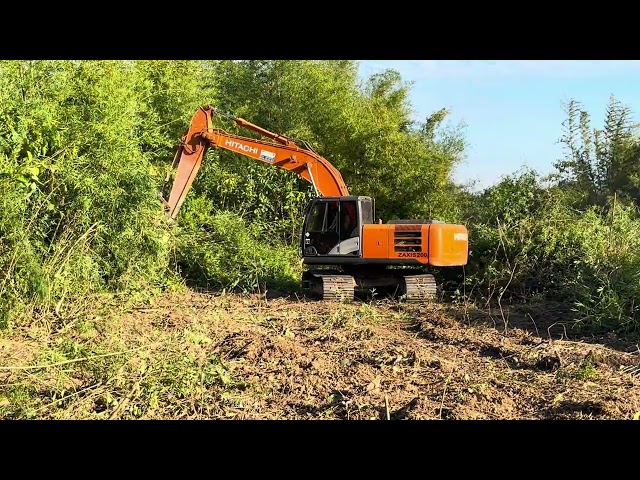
(331, 228)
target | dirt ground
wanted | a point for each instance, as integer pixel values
(287, 358)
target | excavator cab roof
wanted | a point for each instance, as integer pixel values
(346, 197)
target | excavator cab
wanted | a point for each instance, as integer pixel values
(333, 226)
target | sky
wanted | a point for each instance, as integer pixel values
(512, 110)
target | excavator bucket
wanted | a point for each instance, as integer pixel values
(188, 159)
(175, 189)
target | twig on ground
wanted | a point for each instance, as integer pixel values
(534, 324)
(120, 407)
(74, 360)
(444, 392)
(95, 385)
(386, 406)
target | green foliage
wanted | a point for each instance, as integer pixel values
(364, 130)
(515, 240)
(221, 250)
(607, 297)
(172, 91)
(600, 162)
(80, 209)
(528, 242)
(585, 370)
(574, 241)
(14, 403)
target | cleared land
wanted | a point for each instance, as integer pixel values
(193, 355)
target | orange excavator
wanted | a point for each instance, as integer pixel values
(344, 250)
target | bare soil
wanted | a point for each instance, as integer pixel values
(288, 358)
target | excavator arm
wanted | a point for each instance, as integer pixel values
(279, 151)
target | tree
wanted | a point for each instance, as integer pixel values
(599, 163)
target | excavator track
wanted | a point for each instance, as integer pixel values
(329, 286)
(419, 288)
(338, 287)
(334, 285)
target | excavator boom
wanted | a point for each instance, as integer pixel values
(280, 152)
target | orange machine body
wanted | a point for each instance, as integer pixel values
(436, 244)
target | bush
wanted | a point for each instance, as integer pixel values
(220, 250)
(528, 242)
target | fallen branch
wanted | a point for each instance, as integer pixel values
(444, 392)
(96, 385)
(74, 360)
(120, 407)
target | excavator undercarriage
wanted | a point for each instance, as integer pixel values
(409, 285)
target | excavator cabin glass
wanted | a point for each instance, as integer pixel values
(333, 225)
